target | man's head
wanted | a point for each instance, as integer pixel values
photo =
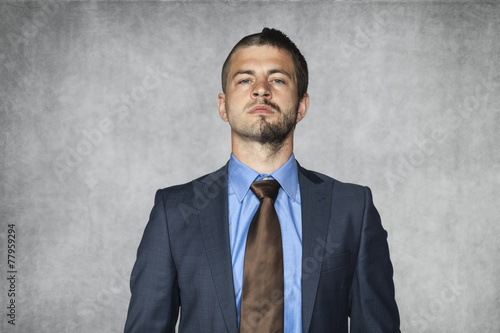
(277, 39)
(263, 97)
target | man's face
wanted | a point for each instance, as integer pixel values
(261, 101)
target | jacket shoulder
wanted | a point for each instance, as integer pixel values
(219, 177)
(337, 185)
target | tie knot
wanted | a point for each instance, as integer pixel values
(266, 188)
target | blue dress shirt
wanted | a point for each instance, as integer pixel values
(242, 207)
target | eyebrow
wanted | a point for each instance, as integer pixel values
(270, 72)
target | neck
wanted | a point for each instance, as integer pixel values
(263, 158)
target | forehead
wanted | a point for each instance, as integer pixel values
(262, 57)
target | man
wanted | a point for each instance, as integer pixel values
(332, 259)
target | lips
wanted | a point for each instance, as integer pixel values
(261, 109)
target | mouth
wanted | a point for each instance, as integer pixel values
(261, 109)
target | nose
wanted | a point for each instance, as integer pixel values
(261, 89)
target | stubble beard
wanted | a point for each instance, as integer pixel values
(274, 135)
(271, 135)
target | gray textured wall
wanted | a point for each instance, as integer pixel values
(104, 102)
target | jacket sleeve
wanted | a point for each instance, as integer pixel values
(154, 304)
(373, 307)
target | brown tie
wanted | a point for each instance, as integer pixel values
(262, 308)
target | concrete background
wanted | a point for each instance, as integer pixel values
(102, 103)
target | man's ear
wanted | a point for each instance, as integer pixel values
(303, 106)
(222, 107)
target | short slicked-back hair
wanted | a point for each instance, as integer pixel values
(272, 37)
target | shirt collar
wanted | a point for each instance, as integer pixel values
(241, 177)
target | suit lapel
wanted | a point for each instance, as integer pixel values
(214, 223)
(316, 198)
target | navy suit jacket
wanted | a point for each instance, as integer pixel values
(184, 260)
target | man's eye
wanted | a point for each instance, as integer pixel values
(245, 81)
(278, 81)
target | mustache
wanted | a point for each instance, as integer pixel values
(263, 101)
